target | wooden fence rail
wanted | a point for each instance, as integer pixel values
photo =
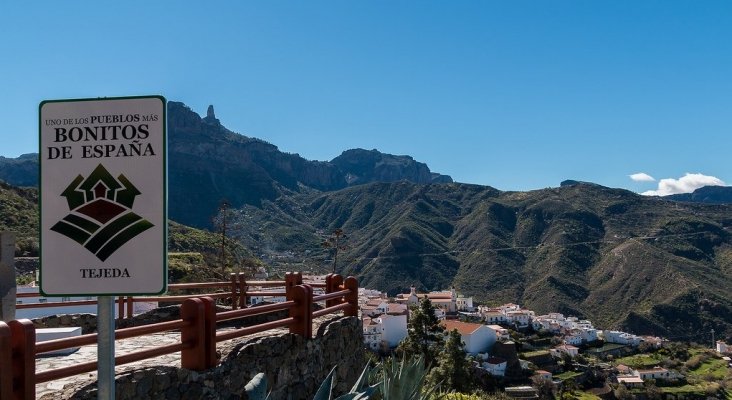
(236, 291)
(197, 326)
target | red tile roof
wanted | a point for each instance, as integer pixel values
(465, 328)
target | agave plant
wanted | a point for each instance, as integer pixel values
(404, 380)
(360, 390)
(256, 389)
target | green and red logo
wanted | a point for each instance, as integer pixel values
(101, 217)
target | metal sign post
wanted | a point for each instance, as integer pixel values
(105, 347)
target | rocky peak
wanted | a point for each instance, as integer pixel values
(362, 166)
(211, 116)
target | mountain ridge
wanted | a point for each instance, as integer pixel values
(210, 164)
(623, 260)
(645, 264)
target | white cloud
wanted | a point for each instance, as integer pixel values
(686, 184)
(642, 177)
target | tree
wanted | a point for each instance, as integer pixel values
(453, 368)
(622, 393)
(220, 222)
(335, 242)
(544, 386)
(425, 335)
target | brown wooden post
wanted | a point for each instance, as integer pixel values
(302, 311)
(210, 331)
(351, 284)
(234, 287)
(120, 308)
(292, 279)
(194, 357)
(337, 282)
(130, 306)
(242, 290)
(6, 362)
(23, 343)
(329, 288)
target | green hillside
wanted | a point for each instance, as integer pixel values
(623, 260)
(19, 214)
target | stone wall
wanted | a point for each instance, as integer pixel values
(294, 366)
(26, 265)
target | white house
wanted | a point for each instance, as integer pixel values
(495, 366)
(588, 334)
(464, 303)
(477, 338)
(253, 300)
(520, 318)
(621, 338)
(393, 329)
(371, 333)
(375, 307)
(655, 373)
(630, 381)
(447, 301)
(493, 316)
(723, 347)
(501, 332)
(545, 375)
(574, 340)
(564, 349)
(71, 308)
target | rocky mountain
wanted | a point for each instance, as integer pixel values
(209, 165)
(706, 194)
(21, 171)
(363, 166)
(644, 264)
(623, 260)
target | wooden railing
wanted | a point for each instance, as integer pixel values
(236, 291)
(197, 326)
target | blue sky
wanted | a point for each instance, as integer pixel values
(516, 94)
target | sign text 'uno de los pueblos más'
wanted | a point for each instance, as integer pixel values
(103, 196)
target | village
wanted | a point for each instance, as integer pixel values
(514, 345)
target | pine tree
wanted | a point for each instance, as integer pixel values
(453, 368)
(425, 335)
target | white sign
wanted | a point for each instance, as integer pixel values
(103, 196)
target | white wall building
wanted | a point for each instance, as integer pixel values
(501, 332)
(572, 351)
(723, 347)
(621, 338)
(655, 373)
(574, 340)
(477, 338)
(464, 303)
(371, 333)
(393, 329)
(495, 366)
(31, 313)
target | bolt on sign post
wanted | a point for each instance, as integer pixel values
(103, 204)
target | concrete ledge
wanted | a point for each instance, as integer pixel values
(45, 334)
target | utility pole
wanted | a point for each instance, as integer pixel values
(224, 206)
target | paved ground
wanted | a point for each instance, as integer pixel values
(89, 353)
